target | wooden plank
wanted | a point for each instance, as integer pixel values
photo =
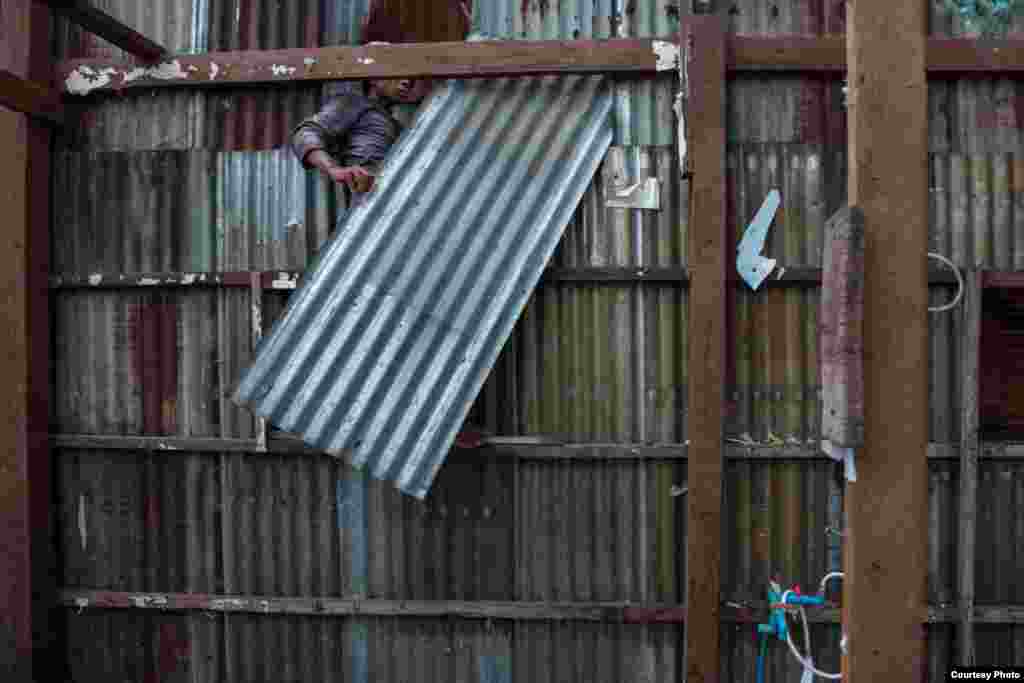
(290, 279)
(704, 37)
(951, 57)
(27, 561)
(970, 312)
(947, 57)
(151, 443)
(416, 60)
(91, 18)
(885, 556)
(81, 600)
(30, 98)
(826, 54)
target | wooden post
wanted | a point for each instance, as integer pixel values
(26, 559)
(885, 554)
(703, 39)
(969, 447)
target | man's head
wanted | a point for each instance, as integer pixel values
(401, 90)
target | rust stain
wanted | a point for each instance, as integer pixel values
(154, 345)
(173, 649)
(152, 515)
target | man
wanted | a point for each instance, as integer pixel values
(349, 137)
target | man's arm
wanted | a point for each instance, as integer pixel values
(313, 137)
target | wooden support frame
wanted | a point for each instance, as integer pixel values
(606, 612)
(703, 38)
(91, 18)
(26, 552)
(946, 57)
(30, 98)
(970, 448)
(885, 553)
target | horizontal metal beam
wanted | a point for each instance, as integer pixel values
(281, 279)
(526, 448)
(107, 27)
(609, 612)
(947, 57)
(27, 97)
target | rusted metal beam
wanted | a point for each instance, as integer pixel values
(970, 446)
(30, 98)
(704, 37)
(885, 554)
(107, 27)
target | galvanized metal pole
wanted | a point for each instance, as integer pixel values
(885, 558)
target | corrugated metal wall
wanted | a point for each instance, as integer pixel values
(177, 180)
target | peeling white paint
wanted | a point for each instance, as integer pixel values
(95, 279)
(84, 79)
(309, 61)
(282, 284)
(265, 606)
(149, 281)
(149, 600)
(366, 61)
(192, 68)
(188, 278)
(257, 319)
(227, 603)
(666, 55)
(282, 69)
(82, 528)
(163, 446)
(81, 603)
(214, 70)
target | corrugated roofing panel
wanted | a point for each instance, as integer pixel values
(398, 324)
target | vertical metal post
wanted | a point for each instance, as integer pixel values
(969, 448)
(886, 558)
(703, 41)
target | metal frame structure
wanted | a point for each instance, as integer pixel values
(711, 56)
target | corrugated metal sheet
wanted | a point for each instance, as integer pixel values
(1000, 543)
(592, 531)
(117, 212)
(271, 212)
(557, 133)
(142, 523)
(178, 25)
(155, 362)
(647, 117)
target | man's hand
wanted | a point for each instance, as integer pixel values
(355, 178)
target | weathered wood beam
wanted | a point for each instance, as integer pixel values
(885, 553)
(415, 60)
(29, 649)
(706, 102)
(518, 447)
(947, 57)
(970, 446)
(608, 612)
(30, 98)
(107, 27)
